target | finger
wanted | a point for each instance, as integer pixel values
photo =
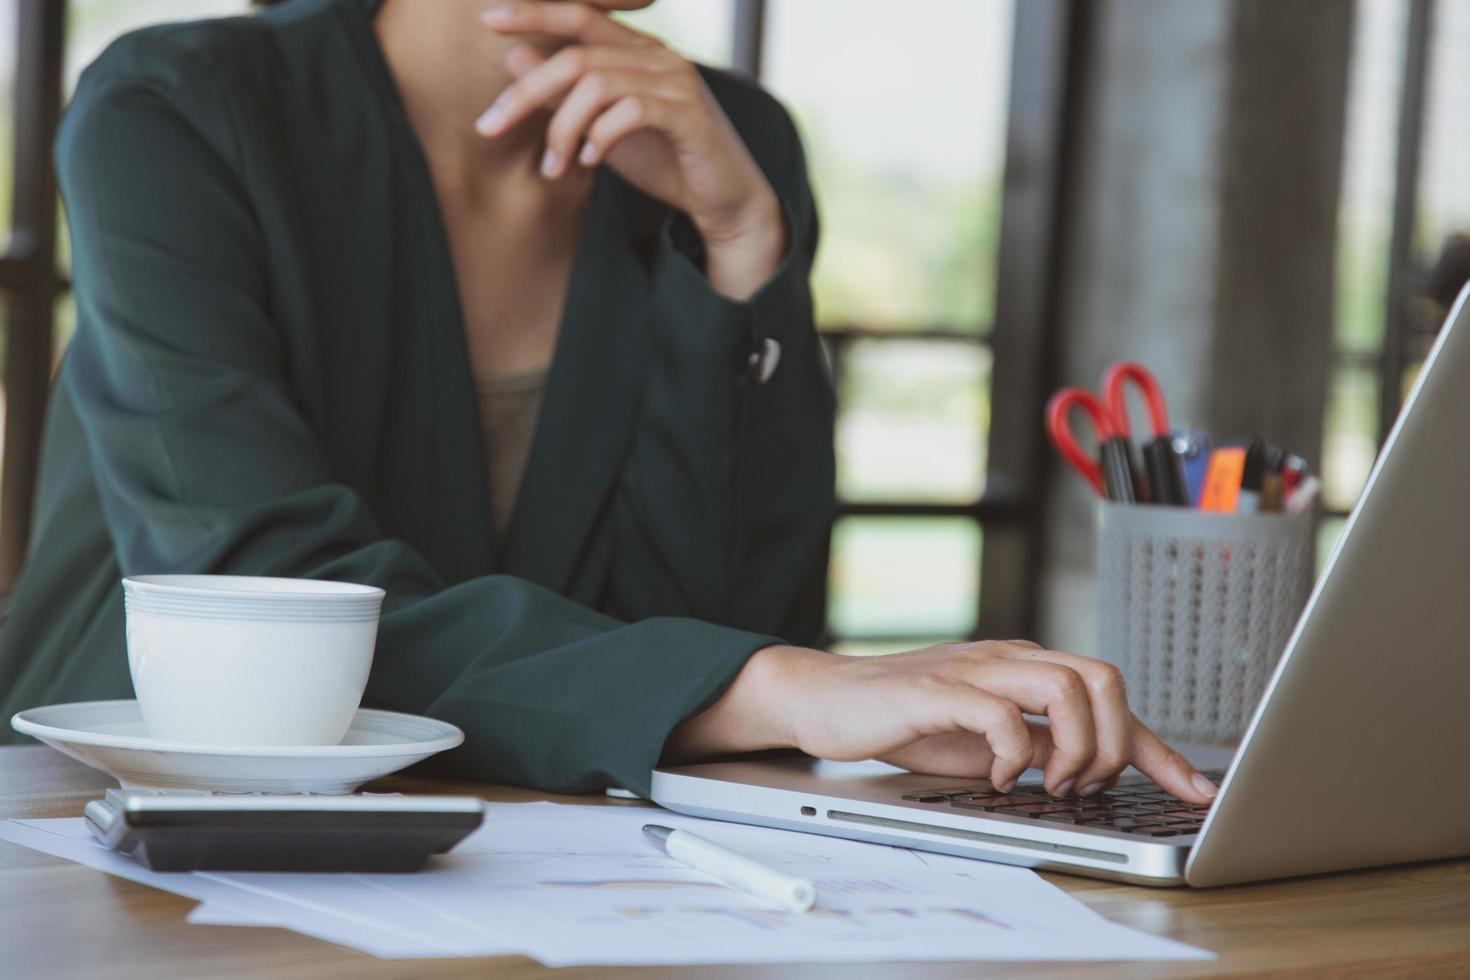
(1058, 692)
(964, 708)
(627, 116)
(962, 755)
(1168, 768)
(572, 21)
(1108, 698)
(524, 59)
(590, 98)
(547, 83)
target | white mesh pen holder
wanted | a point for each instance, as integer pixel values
(1196, 609)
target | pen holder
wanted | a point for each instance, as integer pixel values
(1196, 609)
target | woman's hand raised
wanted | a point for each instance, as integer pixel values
(620, 97)
(955, 710)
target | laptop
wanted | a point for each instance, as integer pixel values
(1355, 757)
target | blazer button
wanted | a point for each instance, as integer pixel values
(762, 362)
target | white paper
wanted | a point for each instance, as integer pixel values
(69, 839)
(574, 885)
(577, 887)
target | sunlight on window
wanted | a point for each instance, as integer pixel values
(1350, 439)
(1365, 214)
(905, 128)
(1444, 191)
(915, 419)
(899, 577)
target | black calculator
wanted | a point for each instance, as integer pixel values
(187, 830)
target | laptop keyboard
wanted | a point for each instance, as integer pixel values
(1134, 806)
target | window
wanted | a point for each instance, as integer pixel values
(904, 284)
(1404, 227)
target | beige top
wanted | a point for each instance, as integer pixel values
(509, 406)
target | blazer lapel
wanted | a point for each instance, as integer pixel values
(588, 416)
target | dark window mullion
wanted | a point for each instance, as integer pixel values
(30, 274)
(748, 37)
(1397, 311)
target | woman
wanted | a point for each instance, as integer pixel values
(501, 306)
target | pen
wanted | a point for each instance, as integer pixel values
(1193, 449)
(1292, 472)
(1273, 484)
(1221, 491)
(1304, 495)
(1252, 475)
(736, 870)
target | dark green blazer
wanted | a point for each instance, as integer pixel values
(270, 377)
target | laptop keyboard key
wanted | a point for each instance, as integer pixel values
(1136, 806)
(1024, 809)
(995, 802)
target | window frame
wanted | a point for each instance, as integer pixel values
(29, 281)
(1048, 47)
(1402, 329)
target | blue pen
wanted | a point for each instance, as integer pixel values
(1193, 449)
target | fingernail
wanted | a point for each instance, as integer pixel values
(491, 120)
(1090, 789)
(550, 163)
(1205, 786)
(588, 156)
(1066, 788)
(496, 15)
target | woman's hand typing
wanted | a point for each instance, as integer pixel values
(620, 97)
(951, 710)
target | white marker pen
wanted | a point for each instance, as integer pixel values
(736, 870)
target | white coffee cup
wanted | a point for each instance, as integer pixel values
(237, 660)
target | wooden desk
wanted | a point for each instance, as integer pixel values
(61, 920)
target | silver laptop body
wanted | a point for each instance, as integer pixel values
(1356, 756)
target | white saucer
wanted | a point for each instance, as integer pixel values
(111, 736)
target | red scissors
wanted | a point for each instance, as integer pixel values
(1112, 474)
